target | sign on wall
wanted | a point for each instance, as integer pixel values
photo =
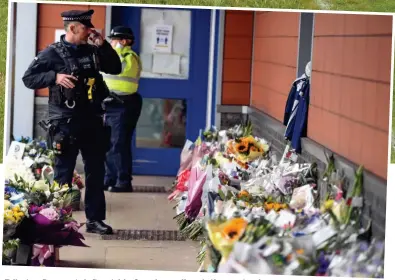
(165, 43)
(163, 38)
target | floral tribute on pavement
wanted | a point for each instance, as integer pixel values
(37, 210)
(254, 213)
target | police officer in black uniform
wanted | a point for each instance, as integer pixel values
(71, 70)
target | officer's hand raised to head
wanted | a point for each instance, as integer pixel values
(96, 38)
(65, 80)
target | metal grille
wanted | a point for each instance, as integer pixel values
(146, 235)
(149, 189)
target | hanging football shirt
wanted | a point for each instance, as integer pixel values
(296, 112)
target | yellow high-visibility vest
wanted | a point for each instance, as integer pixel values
(127, 82)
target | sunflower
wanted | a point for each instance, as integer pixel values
(249, 139)
(224, 235)
(242, 147)
(234, 229)
(254, 149)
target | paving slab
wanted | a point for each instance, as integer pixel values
(140, 211)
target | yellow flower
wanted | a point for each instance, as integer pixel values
(223, 236)
(327, 205)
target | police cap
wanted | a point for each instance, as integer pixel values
(122, 32)
(83, 17)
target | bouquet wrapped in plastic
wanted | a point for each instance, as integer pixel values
(51, 226)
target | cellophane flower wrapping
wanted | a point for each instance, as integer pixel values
(195, 191)
(38, 209)
(10, 248)
(50, 226)
(15, 211)
(186, 157)
(43, 255)
(291, 228)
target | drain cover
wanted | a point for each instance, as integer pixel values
(146, 235)
(149, 189)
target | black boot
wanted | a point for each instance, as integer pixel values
(98, 227)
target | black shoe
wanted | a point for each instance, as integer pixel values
(98, 227)
(107, 187)
(121, 189)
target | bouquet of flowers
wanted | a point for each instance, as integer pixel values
(9, 251)
(13, 217)
(259, 215)
(49, 228)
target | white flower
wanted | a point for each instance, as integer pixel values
(56, 195)
(64, 188)
(41, 186)
(47, 193)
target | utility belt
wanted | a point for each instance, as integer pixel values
(119, 100)
(62, 133)
(86, 90)
(58, 141)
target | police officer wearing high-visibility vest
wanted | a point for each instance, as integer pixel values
(121, 118)
(70, 69)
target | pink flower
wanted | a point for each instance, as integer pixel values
(50, 214)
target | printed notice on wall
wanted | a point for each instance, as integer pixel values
(163, 38)
(166, 64)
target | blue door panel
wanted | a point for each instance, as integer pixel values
(166, 161)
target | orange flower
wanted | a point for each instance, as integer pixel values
(235, 229)
(268, 206)
(243, 193)
(299, 251)
(242, 147)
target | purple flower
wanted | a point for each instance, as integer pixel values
(323, 264)
(364, 246)
(10, 190)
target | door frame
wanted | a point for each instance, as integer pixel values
(214, 71)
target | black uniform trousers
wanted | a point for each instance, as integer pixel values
(85, 135)
(121, 121)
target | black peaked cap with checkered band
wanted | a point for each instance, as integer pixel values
(122, 32)
(83, 17)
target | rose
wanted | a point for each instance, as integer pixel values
(50, 214)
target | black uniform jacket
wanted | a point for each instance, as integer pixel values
(41, 73)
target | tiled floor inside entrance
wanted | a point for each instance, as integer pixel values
(135, 211)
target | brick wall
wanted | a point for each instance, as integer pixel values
(49, 20)
(236, 77)
(350, 89)
(274, 60)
